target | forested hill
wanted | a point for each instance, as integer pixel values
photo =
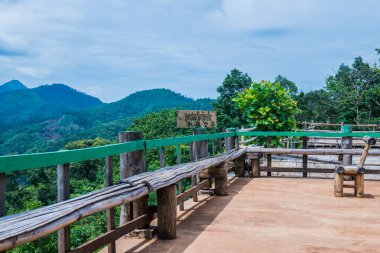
(47, 117)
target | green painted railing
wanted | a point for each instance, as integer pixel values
(36, 160)
(309, 134)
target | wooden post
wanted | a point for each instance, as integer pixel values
(199, 151)
(254, 158)
(162, 157)
(304, 157)
(63, 188)
(359, 185)
(269, 156)
(338, 184)
(111, 211)
(347, 144)
(167, 213)
(231, 141)
(3, 183)
(180, 182)
(131, 164)
(221, 182)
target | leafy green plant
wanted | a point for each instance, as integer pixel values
(268, 106)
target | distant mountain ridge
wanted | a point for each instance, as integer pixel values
(47, 117)
(12, 85)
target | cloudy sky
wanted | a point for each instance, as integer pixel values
(110, 49)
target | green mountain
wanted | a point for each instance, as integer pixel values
(12, 85)
(52, 129)
(20, 106)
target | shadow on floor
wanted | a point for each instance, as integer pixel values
(193, 221)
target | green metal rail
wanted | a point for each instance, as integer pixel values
(36, 160)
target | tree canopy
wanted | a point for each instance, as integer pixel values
(268, 106)
(228, 115)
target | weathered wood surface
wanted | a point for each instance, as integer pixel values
(110, 212)
(63, 193)
(113, 235)
(28, 226)
(167, 213)
(284, 151)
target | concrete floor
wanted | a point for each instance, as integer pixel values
(274, 215)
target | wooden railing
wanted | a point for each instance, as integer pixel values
(25, 227)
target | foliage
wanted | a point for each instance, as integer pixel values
(287, 84)
(355, 92)
(228, 115)
(268, 106)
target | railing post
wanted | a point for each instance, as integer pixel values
(63, 187)
(269, 156)
(3, 184)
(131, 164)
(111, 211)
(180, 182)
(199, 150)
(162, 157)
(231, 141)
(304, 157)
(167, 213)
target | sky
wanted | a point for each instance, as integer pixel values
(111, 49)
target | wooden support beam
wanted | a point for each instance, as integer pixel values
(63, 188)
(221, 182)
(181, 197)
(110, 212)
(167, 213)
(240, 166)
(269, 156)
(255, 167)
(114, 234)
(304, 157)
(214, 172)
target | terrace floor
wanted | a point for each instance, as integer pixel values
(274, 215)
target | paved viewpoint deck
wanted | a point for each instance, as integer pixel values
(274, 215)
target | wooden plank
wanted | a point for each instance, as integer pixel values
(196, 118)
(167, 213)
(63, 188)
(111, 211)
(214, 172)
(114, 234)
(181, 197)
(292, 169)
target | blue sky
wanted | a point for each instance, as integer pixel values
(110, 49)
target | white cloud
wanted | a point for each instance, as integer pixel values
(189, 46)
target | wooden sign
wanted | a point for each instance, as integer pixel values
(192, 119)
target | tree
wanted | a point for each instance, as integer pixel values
(228, 115)
(316, 106)
(355, 92)
(268, 106)
(287, 84)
